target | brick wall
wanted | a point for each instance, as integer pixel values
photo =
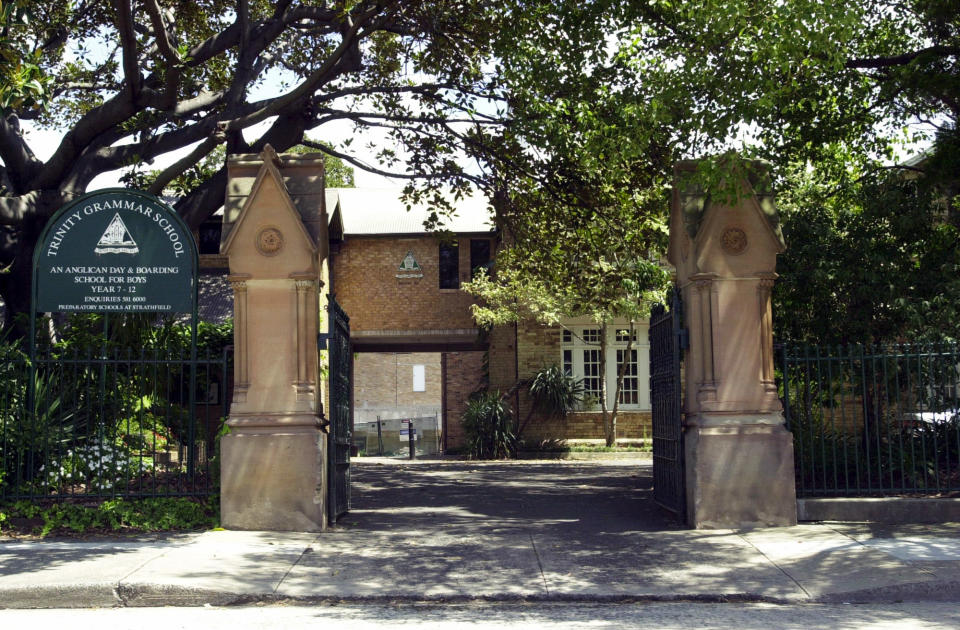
(365, 281)
(383, 385)
(502, 358)
(588, 426)
(462, 375)
(366, 285)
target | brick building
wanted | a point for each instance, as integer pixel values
(401, 287)
(415, 341)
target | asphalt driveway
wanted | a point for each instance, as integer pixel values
(565, 498)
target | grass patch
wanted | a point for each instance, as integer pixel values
(160, 514)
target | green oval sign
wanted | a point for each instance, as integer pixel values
(115, 250)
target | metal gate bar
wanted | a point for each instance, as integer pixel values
(341, 413)
(666, 343)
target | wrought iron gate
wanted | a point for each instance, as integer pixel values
(341, 413)
(667, 340)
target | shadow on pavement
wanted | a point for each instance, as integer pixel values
(562, 498)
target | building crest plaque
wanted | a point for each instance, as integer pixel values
(269, 241)
(409, 267)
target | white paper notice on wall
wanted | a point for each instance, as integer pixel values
(419, 378)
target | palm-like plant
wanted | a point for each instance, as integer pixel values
(488, 422)
(554, 393)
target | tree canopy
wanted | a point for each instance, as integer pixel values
(613, 94)
(568, 114)
(876, 261)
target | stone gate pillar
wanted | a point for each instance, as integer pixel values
(273, 473)
(739, 455)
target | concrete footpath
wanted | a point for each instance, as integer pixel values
(462, 531)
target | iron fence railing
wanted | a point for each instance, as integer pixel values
(871, 420)
(392, 437)
(113, 423)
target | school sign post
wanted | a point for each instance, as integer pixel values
(115, 250)
(120, 252)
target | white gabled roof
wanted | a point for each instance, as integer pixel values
(372, 211)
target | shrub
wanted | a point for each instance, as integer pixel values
(488, 423)
(99, 466)
(554, 393)
(153, 514)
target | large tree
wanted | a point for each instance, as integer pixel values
(129, 81)
(874, 261)
(570, 113)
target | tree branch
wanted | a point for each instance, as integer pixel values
(36, 203)
(93, 123)
(202, 101)
(334, 114)
(904, 59)
(168, 99)
(20, 161)
(309, 84)
(128, 39)
(160, 33)
(203, 200)
(180, 166)
(108, 158)
(352, 160)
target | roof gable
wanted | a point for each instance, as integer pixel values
(268, 176)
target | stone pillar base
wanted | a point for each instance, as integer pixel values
(274, 479)
(740, 476)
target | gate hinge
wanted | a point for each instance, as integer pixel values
(684, 337)
(322, 340)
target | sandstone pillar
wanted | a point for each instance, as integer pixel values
(739, 455)
(273, 473)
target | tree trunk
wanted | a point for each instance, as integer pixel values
(609, 420)
(621, 372)
(16, 283)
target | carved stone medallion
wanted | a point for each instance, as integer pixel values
(733, 240)
(269, 241)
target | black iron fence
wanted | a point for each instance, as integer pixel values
(872, 421)
(119, 423)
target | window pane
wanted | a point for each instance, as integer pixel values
(591, 335)
(449, 266)
(567, 336)
(568, 362)
(479, 256)
(623, 335)
(630, 391)
(592, 373)
(208, 237)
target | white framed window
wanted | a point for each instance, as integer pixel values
(580, 357)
